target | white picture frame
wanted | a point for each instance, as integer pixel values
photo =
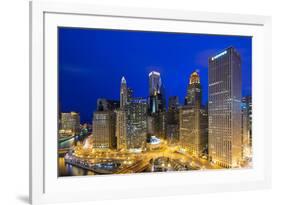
(46, 187)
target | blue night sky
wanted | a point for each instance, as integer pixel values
(92, 63)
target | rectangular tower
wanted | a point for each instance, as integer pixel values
(246, 108)
(224, 108)
(172, 120)
(70, 123)
(136, 123)
(193, 119)
(121, 129)
(104, 130)
(193, 130)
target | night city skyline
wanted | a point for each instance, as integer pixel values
(140, 102)
(92, 61)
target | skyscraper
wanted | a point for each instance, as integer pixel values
(173, 103)
(224, 108)
(126, 93)
(105, 104)
(123, 117)
(121, 129)
(172, 120)
(193, 119)
(104, 130)
(193, 93)
(130, 93)
(246, 108)
(70, 123)
(136, 123)
(156, 106)
(154, 83)
(123, 93)
(156, 93)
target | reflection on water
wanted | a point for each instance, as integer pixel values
(70, 170)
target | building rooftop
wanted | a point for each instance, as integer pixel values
(123, 80)
(154, 73)
(194, 78)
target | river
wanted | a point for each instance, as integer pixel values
(67, 169)
(70, 170)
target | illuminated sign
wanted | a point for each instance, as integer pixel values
(219, 55)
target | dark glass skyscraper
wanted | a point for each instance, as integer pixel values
(172, 120)
(173, 102)
(224, 108)
(105, 104)
(156, 93)
(156, 106)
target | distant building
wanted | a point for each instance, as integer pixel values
(136, 123)
(172, 133)
(224, 108)
(123, 93)
(173, 103)
(126, 93)
(121, 129)
(130, 93)
(246, 108)
(156, 106)
(193, 119)
(194, 91)
(172, 120)
(156, 93)
(104, 130)
(105, 104)
(70, 123)
(151, 128)
(131, 120)
(154, 83)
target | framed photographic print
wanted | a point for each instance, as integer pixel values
(129, 102)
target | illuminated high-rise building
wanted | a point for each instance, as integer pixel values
(121, 129)
(129, 94)
(126, 93)
(104, 130)
(136, 123)
(194, 93)
(246, 108)
(156, 93)
(224, 108)
(156, 106)
(193, 119)
(70, 123)
(123, 93)
(126, 96)
(154, 83)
